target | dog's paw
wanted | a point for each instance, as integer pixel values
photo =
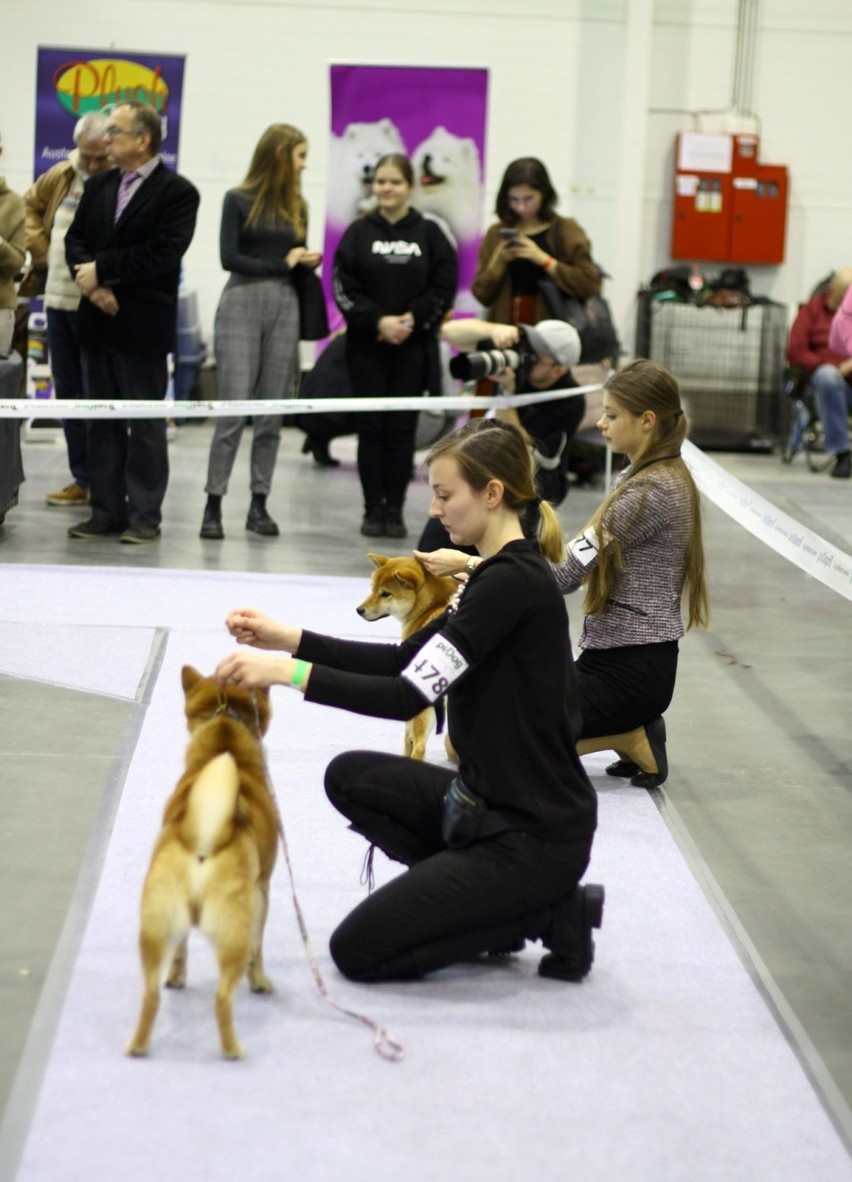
(176, 978)
(136, 1050)
(260, 983)
(233, 1051)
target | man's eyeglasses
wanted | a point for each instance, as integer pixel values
(112, 132)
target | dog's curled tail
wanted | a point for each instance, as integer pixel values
(211, 808)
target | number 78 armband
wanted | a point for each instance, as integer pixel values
(434, 668)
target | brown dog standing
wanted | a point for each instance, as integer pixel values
(214, 856)
(404, 589)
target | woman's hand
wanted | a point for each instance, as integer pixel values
(394, 330)
(254, 671)
(311, 258)
(443, 562)
(249, 626)
(523, 247)
(295, 256)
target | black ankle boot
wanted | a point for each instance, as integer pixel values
(373, 523)
(211, 522)
(318, 448)
(394, 524)
(569, 934)
(258, 520)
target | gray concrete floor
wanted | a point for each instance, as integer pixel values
(759, 743)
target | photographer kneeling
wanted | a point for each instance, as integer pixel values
(522, 360)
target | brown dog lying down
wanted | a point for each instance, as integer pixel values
(214, 856)
(404, 589)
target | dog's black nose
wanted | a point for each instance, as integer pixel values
(360, 611)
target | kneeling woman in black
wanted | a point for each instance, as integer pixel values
(495, 851)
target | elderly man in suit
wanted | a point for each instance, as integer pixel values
(124, 247)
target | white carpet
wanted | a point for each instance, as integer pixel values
(664, 1064)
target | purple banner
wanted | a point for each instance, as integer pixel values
(73, 82)
(437, 118)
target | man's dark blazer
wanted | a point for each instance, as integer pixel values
(138, 257)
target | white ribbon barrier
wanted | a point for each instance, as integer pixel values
(55, 408)
(801, 546)
(788, 537)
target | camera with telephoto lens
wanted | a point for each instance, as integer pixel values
(487, 362)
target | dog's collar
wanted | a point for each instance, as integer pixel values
(225, 708)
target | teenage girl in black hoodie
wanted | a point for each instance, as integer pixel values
(395, 275)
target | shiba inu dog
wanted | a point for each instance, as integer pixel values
(404, 589)
(214, 856)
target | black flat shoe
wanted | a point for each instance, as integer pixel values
(623, 768)
(572, 949)
(318, 448)
(656, 732)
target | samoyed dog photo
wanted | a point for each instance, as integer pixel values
(446, 173)
(353, 159)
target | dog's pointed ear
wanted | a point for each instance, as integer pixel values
(409, 581)
(378, 559)
(189, 678)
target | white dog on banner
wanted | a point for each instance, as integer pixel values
(446, 172)
(354, 156)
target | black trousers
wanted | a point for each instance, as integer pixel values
(622, 688)
(386, 438)
(127, 459)
(451, 904)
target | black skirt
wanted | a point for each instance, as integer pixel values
(622, 688)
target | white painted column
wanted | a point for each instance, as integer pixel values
(635, 86)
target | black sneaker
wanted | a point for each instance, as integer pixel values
(95, 527)
(373, 524)
(572, 949)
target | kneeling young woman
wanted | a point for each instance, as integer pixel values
(495, 850)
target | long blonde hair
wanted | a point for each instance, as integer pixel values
(273, 182)
(489, 449)
(645, 385)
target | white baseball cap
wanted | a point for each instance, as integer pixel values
(556, 338)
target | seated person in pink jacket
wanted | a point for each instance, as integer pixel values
(817, 348)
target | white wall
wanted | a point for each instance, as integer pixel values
(557, 70)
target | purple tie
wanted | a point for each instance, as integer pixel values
(127, 179)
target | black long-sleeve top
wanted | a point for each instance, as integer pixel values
(503, 657)
(257, 251)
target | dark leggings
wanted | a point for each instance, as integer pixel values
(386, 438)
(449, 905)
(622, 688)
